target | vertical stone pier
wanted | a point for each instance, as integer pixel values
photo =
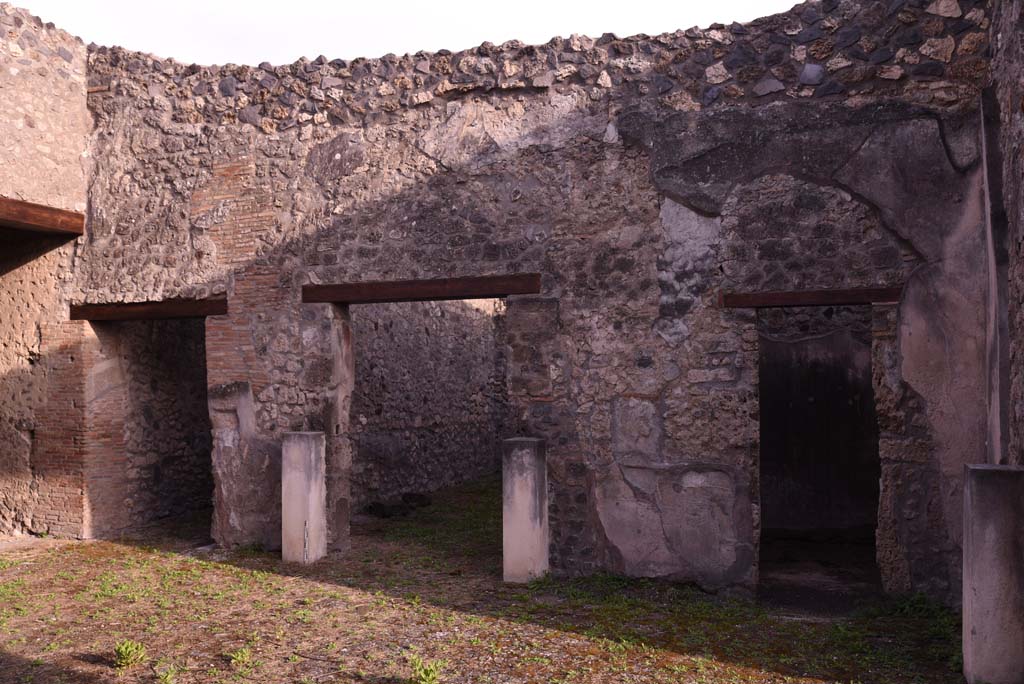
(303, 497)
(524, 512)
(993, 631)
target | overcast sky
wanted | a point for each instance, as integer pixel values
(281, 31)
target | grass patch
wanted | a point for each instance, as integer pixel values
(419, 599)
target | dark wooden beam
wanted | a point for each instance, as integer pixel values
(143, 311)
(40, 218)
(847, 297)
(440, 289)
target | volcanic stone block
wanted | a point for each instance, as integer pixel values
(524, 510)
(303, 497)
(993, 620)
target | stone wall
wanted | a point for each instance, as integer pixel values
(430, 404)
(1008, 48)
(44, 132)
(633, 174)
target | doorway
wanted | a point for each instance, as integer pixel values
(149, 469)
(819, 464)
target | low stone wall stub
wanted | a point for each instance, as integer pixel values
(993, 622)
(303, 497)
(524, 513)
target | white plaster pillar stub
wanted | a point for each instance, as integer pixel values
(303, 497)
(524, 512)
(993, 598)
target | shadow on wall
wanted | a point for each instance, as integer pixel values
(110, 449)
(41, 477)
(19, 247)
(430, 400)
(160, 467)
(570, 201)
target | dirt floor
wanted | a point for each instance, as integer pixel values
(419, 599)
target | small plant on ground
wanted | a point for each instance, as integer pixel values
(167, 674)
(128, 654)
(243, 661)
(425, 671)
(240, 658)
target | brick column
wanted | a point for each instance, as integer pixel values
(60, 431)
(246, 459)
(106, 461)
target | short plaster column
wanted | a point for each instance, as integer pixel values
(993, 600)
(524, 512)
(303, 497)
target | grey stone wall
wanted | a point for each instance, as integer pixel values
(635, 175)
(1008, 60)
(430, 402)
(44, 130)
(917, 174)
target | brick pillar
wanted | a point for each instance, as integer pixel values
(105, 460)
(246, 458)
(60, 431)
(275, 365)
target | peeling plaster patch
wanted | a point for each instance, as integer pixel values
(691, 241)
(636, 429)
(677, 522)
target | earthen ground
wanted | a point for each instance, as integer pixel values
(425, 585)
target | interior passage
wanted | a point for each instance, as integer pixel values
(820, 466)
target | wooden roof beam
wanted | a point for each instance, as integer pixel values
(40, 218)
(438, 289)
(841, 297)
(146, 311)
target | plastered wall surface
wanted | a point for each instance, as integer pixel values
(1008, 56)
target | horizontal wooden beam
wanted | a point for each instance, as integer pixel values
(440, 289)
(40, 218)
(847, 297)
(144, 311)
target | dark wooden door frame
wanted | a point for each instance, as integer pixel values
(840, 297)
(437, 289)
(39, 218)
(148, 311)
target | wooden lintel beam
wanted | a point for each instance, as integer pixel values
(845, 297)
(439, 289)
(40, 218)
(143, 311)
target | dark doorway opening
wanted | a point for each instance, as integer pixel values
(156, 479)
(819, 463)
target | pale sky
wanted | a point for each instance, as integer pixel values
(281, 31)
